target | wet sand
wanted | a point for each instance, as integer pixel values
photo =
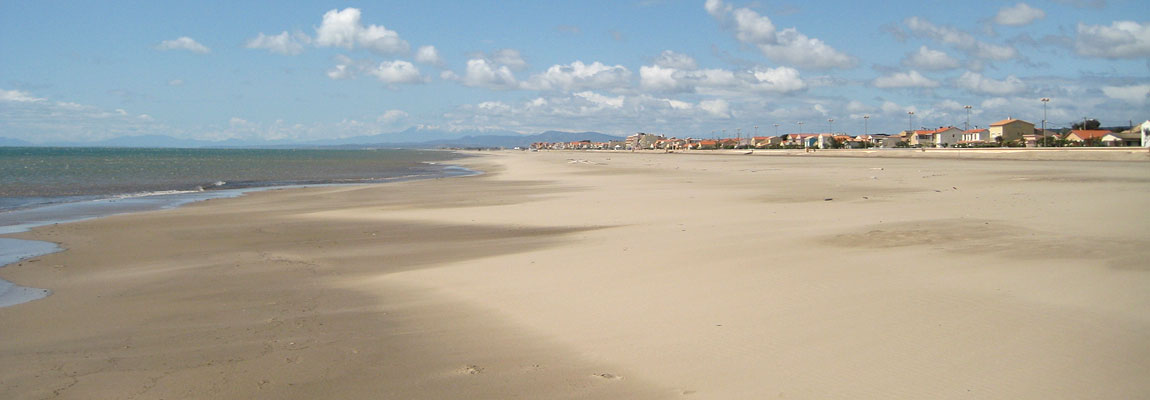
(610, 275)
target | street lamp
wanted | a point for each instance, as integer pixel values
(1044, 100)
(910, 121)
(776, 129)
(831, 124)
(800, 127)
(967, 128)
(865, 131)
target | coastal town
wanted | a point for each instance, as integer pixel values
(1009, 132)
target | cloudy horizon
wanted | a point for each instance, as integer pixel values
(210, 71)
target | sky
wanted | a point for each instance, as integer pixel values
(312, 70)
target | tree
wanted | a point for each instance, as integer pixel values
(1089, 124)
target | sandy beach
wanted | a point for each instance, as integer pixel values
(560, 275)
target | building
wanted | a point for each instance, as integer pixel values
(919, 138)
(1128, 138)
(975, 136)
(1010, 130)
(1086, 137)
(946, 136)
(767, 141)
(642, 140)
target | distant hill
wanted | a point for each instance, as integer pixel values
(514, 140)
(410, 138)
(9, 142)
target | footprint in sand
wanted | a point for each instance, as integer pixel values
(607, 376)
(472, 370)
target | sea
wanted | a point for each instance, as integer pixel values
(44, 185)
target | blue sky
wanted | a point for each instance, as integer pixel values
(216, 70)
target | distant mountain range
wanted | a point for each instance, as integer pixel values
(410, 138)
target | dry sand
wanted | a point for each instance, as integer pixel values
(611, 275)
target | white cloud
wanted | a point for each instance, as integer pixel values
(750, 27)
(960, 40)
(905, 80)
(393, 72)
(670, 59)
(613, 102)
(580, 76)
(340, 71)
(510, 58)
(176, 82)
(1122, 39)
(979, 84)
(721, 82)
(283, 43)
(428, 55)
(344, 29)
(1133, 94)
(787, 46)
(662, 79)
(798, 49)
(18, 96)
(1018, 15)
(779, 80)
(855, 106)
(716, 8)
(717, 107)
(483, 73)
(391, 116)
(184, 43)
(931, 60)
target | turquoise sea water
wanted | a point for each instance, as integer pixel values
(40, 186)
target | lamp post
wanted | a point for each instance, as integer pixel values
(776, 129)
(909, 126)
(800, 127)
(865, 119)
(831, 124)
(967, 127)
(1044, 100)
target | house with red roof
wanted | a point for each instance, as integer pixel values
(1086, 137)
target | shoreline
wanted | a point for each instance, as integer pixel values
(610, 275)
(25, 219)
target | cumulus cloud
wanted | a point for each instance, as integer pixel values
(1133, 94)
(393, 72)
(798, 49)
(283, 43)
(657, 78)
(184, 43)
(428, 55)
(17, 96)
(391, 116)
(717, 107)
(960, 40)
(670, 59)
(1018, 15)
(613, 102)
(750, 27)
(930, 60)
(510, 58)
(342, 28)
(787, 46)
(979, 84)
(911, 79)
(580, 76)
(1122, 39)
(483, 73)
